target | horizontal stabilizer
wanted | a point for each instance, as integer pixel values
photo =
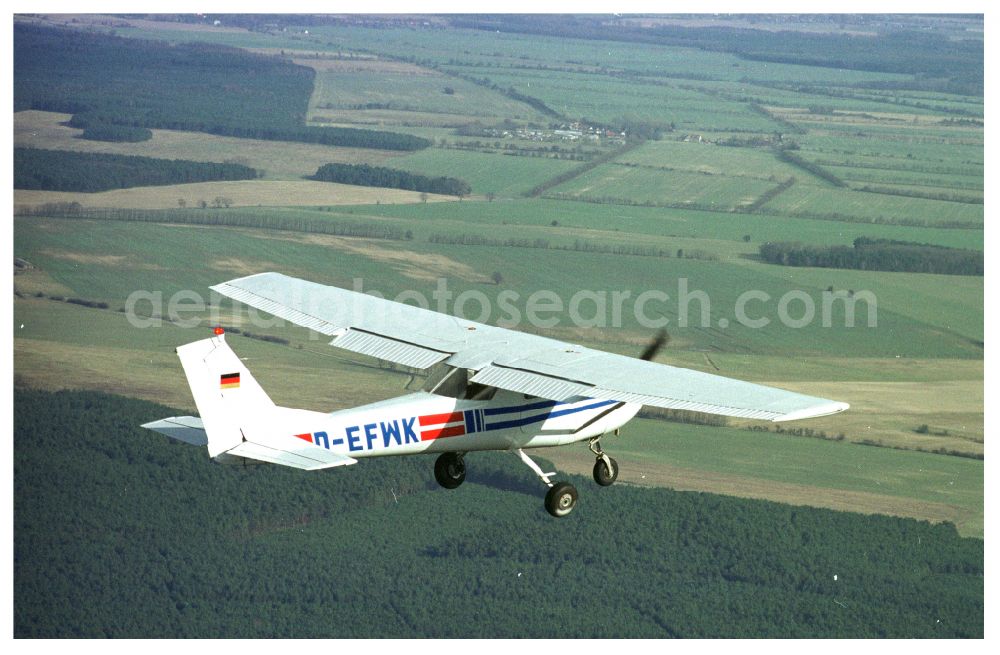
(188, 429)
(286, 452)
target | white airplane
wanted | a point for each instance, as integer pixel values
(488, 388)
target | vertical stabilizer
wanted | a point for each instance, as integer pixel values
(226, 394)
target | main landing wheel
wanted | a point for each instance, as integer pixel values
(602, 475)
(449, 470)
(561, 499)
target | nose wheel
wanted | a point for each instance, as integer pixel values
(605, 471)
(605, 468)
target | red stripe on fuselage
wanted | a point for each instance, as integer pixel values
(441, 433)
(305, 437)
(438, 419)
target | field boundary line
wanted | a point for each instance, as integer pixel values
(580, 170)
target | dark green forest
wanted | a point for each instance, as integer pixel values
(116, 133)
(107, 80)
(877, 255)
(63, 170)
(379, 176)
(120, 532)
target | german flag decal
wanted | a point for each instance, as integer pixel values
(230, 381)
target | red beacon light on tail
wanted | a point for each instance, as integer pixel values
(218, 331)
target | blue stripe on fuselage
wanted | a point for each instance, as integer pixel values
(491, 411)
(542, 417)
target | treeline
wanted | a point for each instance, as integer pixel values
(238, 218)
(378, 176)
(116, 133)
(105, 80)
(877, 255)
(897, 99)
(566, 176)
(752, 141)
(809, 433)
(941, 450)
(787, 156)
(83, 302)
(926, 195)
(268, 338)
(970, 169)
(683, 416)
(123, 532)
(786, 126)
(346, 137)
(767, 196)
(877, 220)
(798, 213)
(576, 153)
(578, 245)
(479, 240)
(63, 170)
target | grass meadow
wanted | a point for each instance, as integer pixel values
(651, 185)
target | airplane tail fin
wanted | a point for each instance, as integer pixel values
(227, 395)
(238, 420)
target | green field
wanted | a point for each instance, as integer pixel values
(676, 188)
(173, 258)
(909, 148)
(610, 100)
(354, 85)
(706, 157)
(811, 200)
(503, 175)
(726, 230)
(915, 179)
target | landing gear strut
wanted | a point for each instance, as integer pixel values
(605, 468)
(449, 470)
(562, 496)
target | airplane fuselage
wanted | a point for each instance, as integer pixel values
(429, 423)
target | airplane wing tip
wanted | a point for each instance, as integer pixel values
(815, 411)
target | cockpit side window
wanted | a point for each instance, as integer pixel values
(454, 383)
(476, 391)
(434, 377)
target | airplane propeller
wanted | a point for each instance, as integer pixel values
(661, 339)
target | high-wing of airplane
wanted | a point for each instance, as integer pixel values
(488, 388)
